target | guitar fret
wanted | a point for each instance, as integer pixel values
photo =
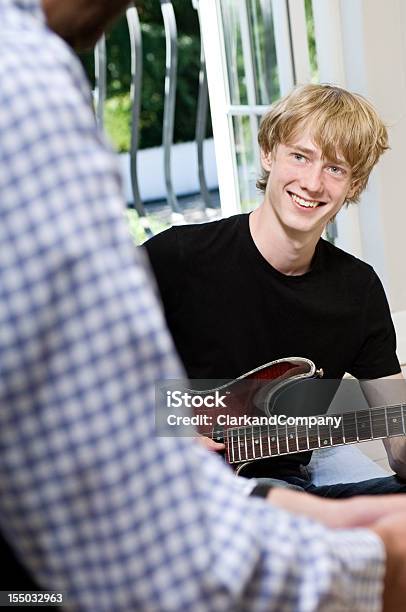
(274, 440)
(348, 424)
(291, 435)
(253, 442)
(269, 440)
(257, 442)
(255, 436)
(386, 421)
(232, 443)
(378, 423)
(364, 427)
(394, 421)
(282, 438)
(302, 443)
(337, 436)
(314, 441)
(261, 450)
(324, 435)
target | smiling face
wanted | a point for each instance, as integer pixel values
(305, 191)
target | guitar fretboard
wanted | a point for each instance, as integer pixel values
(260, 442)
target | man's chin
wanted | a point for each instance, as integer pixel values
(84, 42)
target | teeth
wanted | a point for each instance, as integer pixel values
(302, 202)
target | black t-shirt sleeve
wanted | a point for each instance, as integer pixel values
(164, 255)
(377, 355)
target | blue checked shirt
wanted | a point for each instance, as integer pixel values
(95, 504)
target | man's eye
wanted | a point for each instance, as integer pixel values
(336, 170)
(298, 156)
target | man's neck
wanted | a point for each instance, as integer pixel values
(290, 253)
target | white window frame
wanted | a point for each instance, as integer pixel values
(293, 67)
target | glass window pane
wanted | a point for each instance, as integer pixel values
(234, 53)
(263, 40)
(249, 31)
(245, 132)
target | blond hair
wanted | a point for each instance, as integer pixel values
(341, 123)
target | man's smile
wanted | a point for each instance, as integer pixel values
(303, 202)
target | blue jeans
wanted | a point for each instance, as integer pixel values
(374, 486)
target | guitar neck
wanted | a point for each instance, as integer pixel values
(263, 441)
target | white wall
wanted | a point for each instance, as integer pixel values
(150, 164)
(362, 46)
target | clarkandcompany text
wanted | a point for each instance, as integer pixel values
(245, 420)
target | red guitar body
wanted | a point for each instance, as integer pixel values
(253, 394)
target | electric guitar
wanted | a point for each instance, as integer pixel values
(258, 392)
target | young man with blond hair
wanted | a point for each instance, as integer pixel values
(254, 288)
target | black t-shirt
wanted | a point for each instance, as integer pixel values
(230, 311)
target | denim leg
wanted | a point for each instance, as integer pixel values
(374, 486)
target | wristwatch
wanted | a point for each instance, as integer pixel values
(261, 490)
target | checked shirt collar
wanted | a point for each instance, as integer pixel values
(34, 7)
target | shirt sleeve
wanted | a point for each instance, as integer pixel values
(377, 355)
(94, 502)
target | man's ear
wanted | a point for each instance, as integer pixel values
(266, 160)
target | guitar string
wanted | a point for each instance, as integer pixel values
(289, 446)
(292, 446)
(383, 412)
(377, 430)
(354, 419)
(251, 435)
(349, 428)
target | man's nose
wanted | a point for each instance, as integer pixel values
(312, 179)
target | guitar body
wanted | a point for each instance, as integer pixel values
(251, 417)
(255, 393)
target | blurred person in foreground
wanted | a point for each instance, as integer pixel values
(92, 502)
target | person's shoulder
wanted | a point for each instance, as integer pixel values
(337, 259)
(209, 228)
(36, 63)
(22, 35)
(193, 238)
(161, 241)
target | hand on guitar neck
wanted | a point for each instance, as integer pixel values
(210, 444)
(384, 515)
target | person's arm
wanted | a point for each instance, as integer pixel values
(383, 515)
(377, 368)
(390, 390)
(391, 531)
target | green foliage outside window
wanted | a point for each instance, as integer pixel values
(311, 40)
(118, 106)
